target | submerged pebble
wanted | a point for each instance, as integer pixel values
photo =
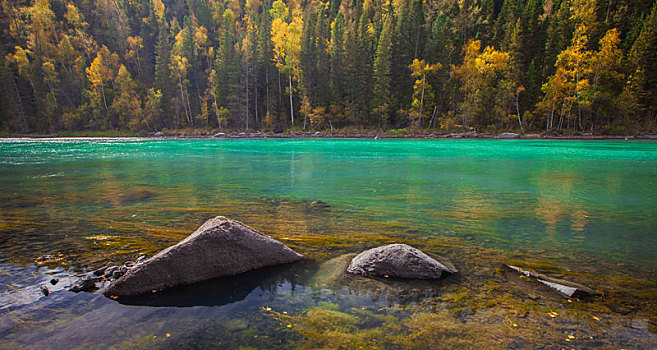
(84, 284)
(639, 324)
(109, 272)
(619, 309)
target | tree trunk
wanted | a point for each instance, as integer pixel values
(198, 94)
(246, 88)
(182, 98)
(216, 106)
(52, 91)
(267, 88)
(189, 107)
(421, 101)
(21, 112)
(280, 96)
(102, 92)
(138, 64)
(291, 105)
(432, 124)
(518, 112)
(255, 93)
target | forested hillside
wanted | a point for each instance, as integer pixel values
(485, 65)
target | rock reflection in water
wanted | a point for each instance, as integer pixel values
(199, 313)
(227, 290)
(328, 276)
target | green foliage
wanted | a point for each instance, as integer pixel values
(156, 64)
(396, 132)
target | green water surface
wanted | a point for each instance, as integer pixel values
(578, 208)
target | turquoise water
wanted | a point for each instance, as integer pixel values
(597, 196)
(580, 205)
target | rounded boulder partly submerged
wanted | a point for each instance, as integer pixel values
(220, 247)
(399, 260)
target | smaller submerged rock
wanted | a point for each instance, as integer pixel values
(100, 271)
(619, 309)
(398, 260)
(319, 205)
(84, 284)
(109, 272)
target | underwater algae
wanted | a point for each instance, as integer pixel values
(484, 306)
(566, 210)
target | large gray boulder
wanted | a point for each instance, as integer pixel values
(220, 247)
(398, 260)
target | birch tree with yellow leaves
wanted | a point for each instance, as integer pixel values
(481, 74)
(286, 32)
(422, 90)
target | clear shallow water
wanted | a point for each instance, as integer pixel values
(581, 207)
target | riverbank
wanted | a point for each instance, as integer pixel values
(373, 134)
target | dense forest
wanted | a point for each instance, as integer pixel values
(486, 65)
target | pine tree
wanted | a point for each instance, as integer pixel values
(162, 75)
(382, 72)
(227, 67)
(643, 58)
(337, 58)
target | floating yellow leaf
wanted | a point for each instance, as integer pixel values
(571, 336)
(596, 318)
(552, 314)
(515, 325)
(168, 335)
(289, 326)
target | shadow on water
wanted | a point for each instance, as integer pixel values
(227, 290)
(328, 276)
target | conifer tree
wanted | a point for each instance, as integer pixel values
(382, 72)
(162, 74)
(643, 58)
